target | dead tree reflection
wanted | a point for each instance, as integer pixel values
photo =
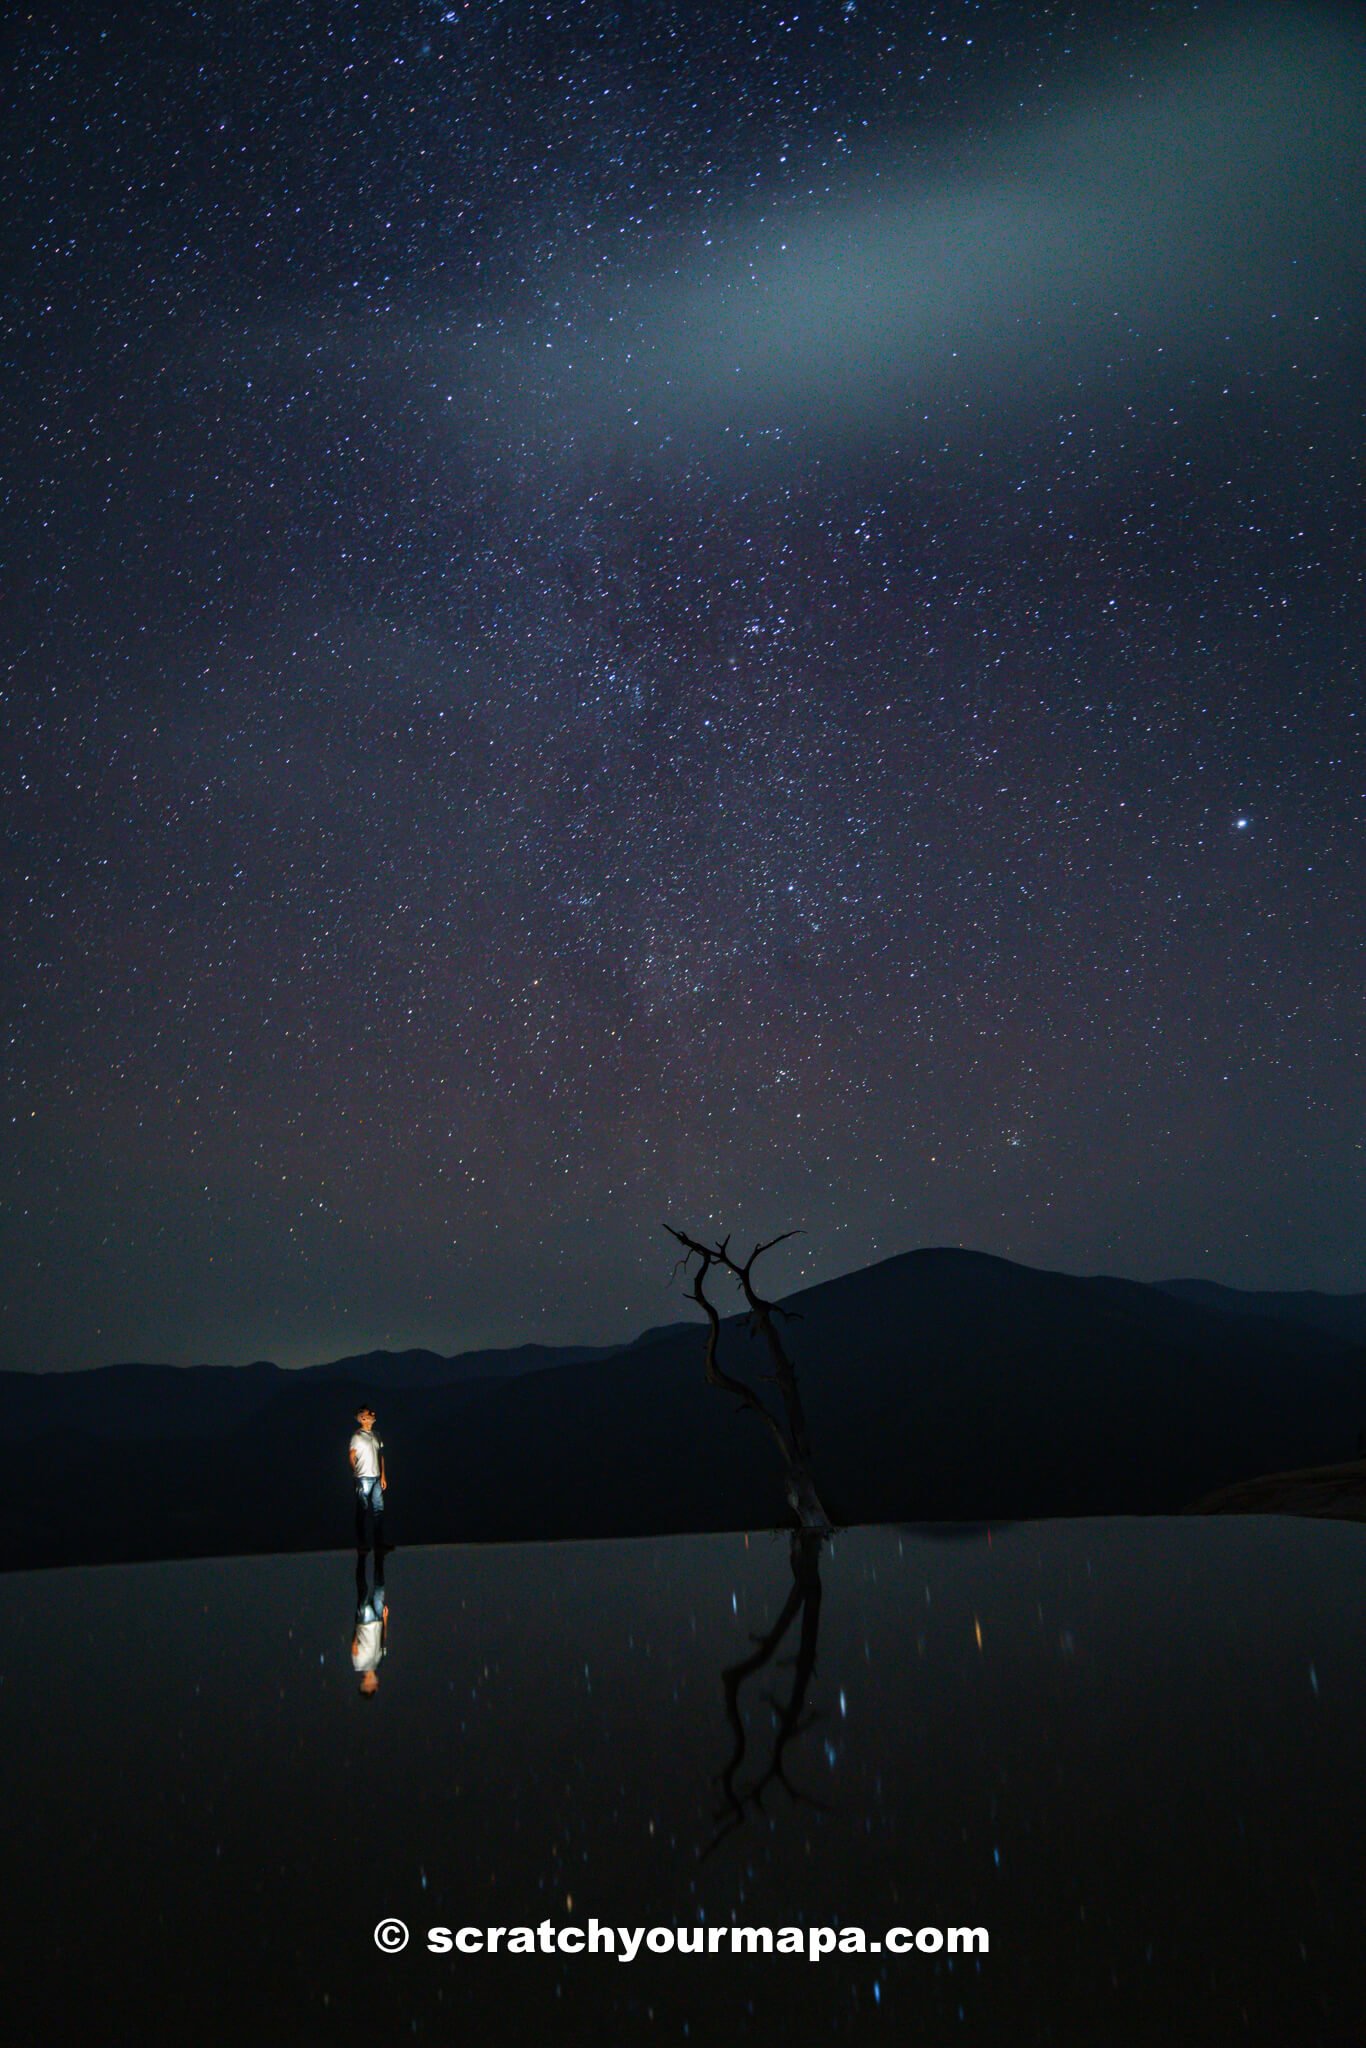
(791, 1717)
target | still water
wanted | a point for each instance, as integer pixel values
(1132, 1751)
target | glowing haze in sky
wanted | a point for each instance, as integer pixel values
(1160, 205)
(743, 614)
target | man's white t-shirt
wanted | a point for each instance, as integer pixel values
(369, 1645)
(367, 1454)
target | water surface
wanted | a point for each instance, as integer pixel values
(1131, 1750)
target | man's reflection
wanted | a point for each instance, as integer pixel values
(371, 1639)
(790, 1717)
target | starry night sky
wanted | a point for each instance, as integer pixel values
(742, 613)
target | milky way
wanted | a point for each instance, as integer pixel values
(750, 615)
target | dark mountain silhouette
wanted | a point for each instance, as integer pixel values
(942, 1385)
(1336, 1315)
(392, 1369)
(130, 1403)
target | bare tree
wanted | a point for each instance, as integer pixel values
(789, 1430)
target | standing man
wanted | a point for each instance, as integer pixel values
(367, 1463)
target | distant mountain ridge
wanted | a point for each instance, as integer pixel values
(1336, 1315)
(940, 1385)
(133, 1402)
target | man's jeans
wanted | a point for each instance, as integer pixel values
(369, 1603)
(369, 1494)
